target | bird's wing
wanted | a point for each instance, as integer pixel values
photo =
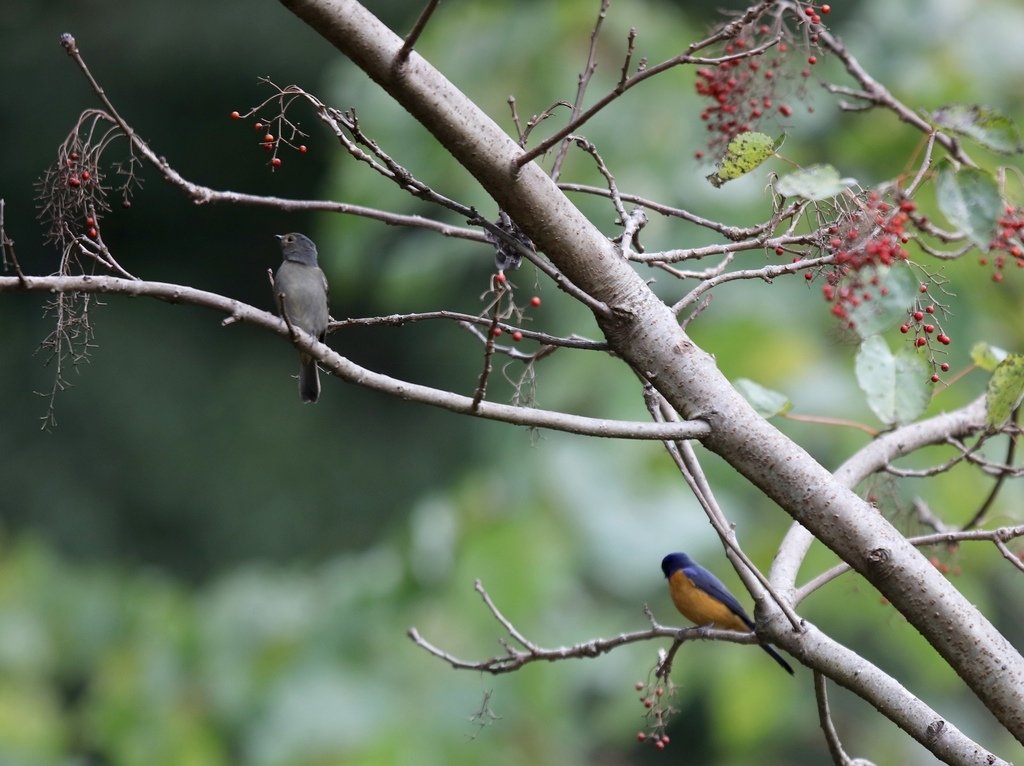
(711, 585)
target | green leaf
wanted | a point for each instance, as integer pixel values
(1005, 390)
(896, 386)
(982, 124)
(970, 199)
(884, 311)
(987, 357)
(765, 401)
(744, 153)
(818, 182)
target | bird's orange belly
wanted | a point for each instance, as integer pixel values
(700, 608)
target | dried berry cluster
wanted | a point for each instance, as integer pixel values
(655, 700)
(745, 89)
(71, 192)
(1007, 242)
(861, 242)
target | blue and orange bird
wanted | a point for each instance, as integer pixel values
(702, 599)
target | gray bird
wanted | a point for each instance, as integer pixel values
(300, 288)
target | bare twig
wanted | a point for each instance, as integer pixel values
(999, 537)
(835, 747)
(528, 651)
(416, 31)
(1011, 449)
(8, 258)
(726, 32)
(734, 233)
(581, 86)
(397, 320)
(877, 94)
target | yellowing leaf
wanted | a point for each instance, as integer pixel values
(744, 153)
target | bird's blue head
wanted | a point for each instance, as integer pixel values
(673, 562)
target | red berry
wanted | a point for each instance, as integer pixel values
(698, 155)
(780, 250)
(930, 309)
(92, 232)
(809, 11)
(303, 149)
(640, 736)
(648, 703)
(236, 116)
(922, 288)
(126, 204)
(944, 339)
(268, 137)
(665, 739)
(929, 328)
(276, 162)
(660, 744)
(904, 328)
(500, 277)
(73, 156)
(268, 147)
(638, 685)
(785, 110)
(517, 336)
(535, 301)
(90, 221)
(826, 9)
(935, 378)
(944, 366)
(496, 332)
(812, 60)
(73, 182)
(920, 342)
(258, 126)
(997, 277)
(918, 316)
(808, 275)
(86, 175)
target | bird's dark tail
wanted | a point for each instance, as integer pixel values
(309, 381)
(777, 657)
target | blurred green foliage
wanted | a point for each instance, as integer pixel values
(197, 570)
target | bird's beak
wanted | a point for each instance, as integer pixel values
(279, 236)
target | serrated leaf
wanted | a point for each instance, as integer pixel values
(896, 386)
(818, 182)
(987, 357)
(1005, 390)
(884, 311)
(970, 199)
(982, 124)
(765, 401)
(744, 153)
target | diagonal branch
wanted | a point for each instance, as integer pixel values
(349, 371)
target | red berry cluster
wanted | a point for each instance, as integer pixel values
(657, 711)
(923, 321)
(744, 89)
(270, 142)
(1009, 241)
(860, 242)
